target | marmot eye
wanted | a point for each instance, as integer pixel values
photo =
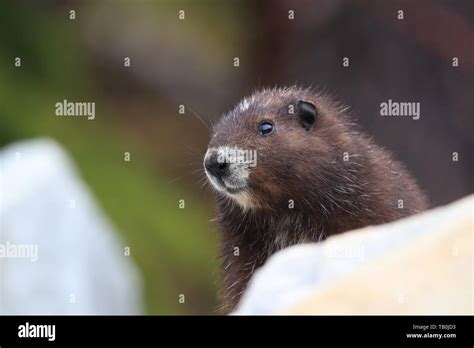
(265, 128)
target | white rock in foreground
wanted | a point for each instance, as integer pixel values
(58, 253)
(422, 264)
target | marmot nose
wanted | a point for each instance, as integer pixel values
(215, 167)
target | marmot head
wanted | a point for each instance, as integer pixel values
(275, 146)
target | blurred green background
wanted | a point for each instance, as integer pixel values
(190, 62)
(174, 248)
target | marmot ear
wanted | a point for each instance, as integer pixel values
(307, 114)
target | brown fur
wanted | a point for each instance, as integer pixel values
(330, 195)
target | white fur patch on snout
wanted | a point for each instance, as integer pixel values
(239, 164)
(240, 161)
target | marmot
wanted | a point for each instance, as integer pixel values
(290, 167)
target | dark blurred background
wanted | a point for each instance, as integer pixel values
(190, 62)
